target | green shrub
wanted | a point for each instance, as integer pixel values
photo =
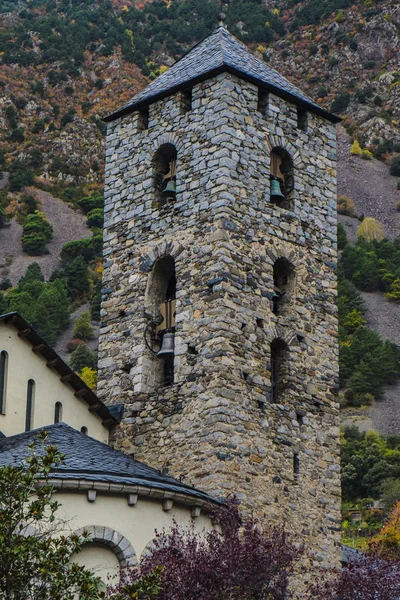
(95, 302)
(82, 327)
(35, 244)
(20, 176)
(37, 223)
(82, 357)
(95, 218)
(395, 166)
(36, 233)
(32, 273)
(5, 283)
(31, 203)
(76, 276)
(89, 249)
(340, 103)
(3, 218)
(89, 203)
(341, 236)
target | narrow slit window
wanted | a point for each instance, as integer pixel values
(279, 350)
(263, 102)
(58, 412)
(143, 119)
(186, 101)
(302, 119)
(30, 392)
(3, 381)
(296, 465)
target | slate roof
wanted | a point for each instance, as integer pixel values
(90, 460)
(219, 52)
(68, 376)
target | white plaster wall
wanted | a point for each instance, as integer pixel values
(101, 561)
(23, 364)
(137, 523)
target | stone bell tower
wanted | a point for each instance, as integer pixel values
(219, 319)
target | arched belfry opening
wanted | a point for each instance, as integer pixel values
(282, 178)
(164, 173)
(279, 367)
(284, 283)
(160, 309)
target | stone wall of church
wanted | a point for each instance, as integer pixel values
(216, 426)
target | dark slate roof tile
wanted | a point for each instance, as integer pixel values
(89, 459)
(218, 52)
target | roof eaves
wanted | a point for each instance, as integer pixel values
(310, 106)
(55, 362)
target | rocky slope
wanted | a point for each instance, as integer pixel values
(65, 65)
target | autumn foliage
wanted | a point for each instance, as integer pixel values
(237, 560)
(387, 543)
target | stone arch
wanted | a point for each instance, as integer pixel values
(161, 250)
(275, 141)
(114, 540)
(278, 251)
(147, 550)
(168, 138)
(273, 332)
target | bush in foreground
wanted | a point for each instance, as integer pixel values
(240, 562)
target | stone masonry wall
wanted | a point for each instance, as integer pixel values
(215, 427)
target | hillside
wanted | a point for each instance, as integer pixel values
(64, 65)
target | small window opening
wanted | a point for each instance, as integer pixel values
(300, 418)
(160, 304)
(57, 412)
(84, 430)
(263, 102)
(3, 381)
(143, 119)
(164, 167)
(282, 179)
(283, 285)
(260, 323)
(279, 350)
(29, 404)
(302, 119)
(296, 465)
(186, 101)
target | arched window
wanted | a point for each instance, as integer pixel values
(279, 351)
(164, 169)
(30, 397)
(3, 381)
(84, 430)
(58, 412)
(282, 178)
(160, 307)
(284, 276)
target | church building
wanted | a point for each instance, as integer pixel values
(219, 317)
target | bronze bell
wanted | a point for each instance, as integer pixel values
(170, 188)
(276, 194)
(167, 346)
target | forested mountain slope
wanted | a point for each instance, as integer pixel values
(64, 64)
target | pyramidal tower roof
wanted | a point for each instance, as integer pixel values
(217, 53)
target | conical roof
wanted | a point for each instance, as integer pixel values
(217, 53)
